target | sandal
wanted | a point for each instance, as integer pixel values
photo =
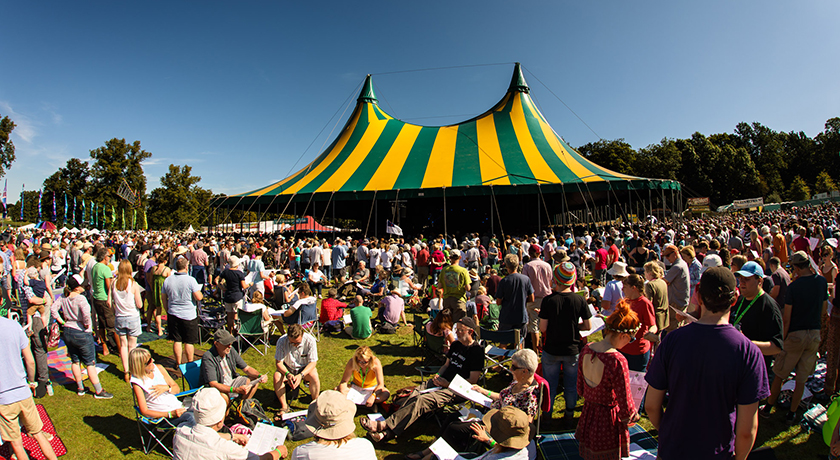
(367, 424)
(376, 437)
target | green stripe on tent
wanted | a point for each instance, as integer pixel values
(517, 167)
(592, 167)
(374, 158)
(554, 162)
(412, 172)
(361, 126)
(466, 169)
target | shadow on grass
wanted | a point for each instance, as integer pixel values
(118, 429)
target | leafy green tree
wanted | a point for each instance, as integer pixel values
(767, 150)
(661, 161)
(112, 163)
(30, 207)
(828, 143)
(799, 190)
(179, 202)
(824, 183)
(7, 147)
(616, 155)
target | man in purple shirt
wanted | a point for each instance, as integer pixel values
(539, 272)
(715, 377)
(392, 309)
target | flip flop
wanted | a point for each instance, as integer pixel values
(376, 437)
(367, 424)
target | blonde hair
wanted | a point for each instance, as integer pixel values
(654, 269)
(137, 360)
(123, 275)
(363, 352)
(257, 297)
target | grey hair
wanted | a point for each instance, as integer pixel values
(526, 359)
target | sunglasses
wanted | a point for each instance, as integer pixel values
(514, 367)
(151, 360)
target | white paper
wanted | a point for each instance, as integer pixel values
(464, 388)
(791, 384)
(347, 319)
(813, 242)
(265, 438)
(249, 278)
(687, 318)
(291, 415)
(596, 323)
(429, 390)
(376, 417)
(444, 451)
(638, 387)
(99, 368)
(639, 453)
(277, 313)
(358, 395)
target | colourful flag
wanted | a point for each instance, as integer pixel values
(21, 200)
(55, 214)
(134, 220)
(75, 210)
(39, 205)
(4, 198)
(65, 208)
(113, 217)
(122, 218)
(145, 224)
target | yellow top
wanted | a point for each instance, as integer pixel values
(365, 380)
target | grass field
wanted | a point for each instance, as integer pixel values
(106, 429)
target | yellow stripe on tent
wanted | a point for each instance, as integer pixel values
(501, 105)
(574, 166)
(278, 184)
(356, 157)
(442, 159)
(490, 159)
(389, 170)
(539, 168)
(339, 146)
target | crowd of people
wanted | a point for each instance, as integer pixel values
(741, 299)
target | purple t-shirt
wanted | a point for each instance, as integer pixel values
(392, 306)
(708, 370)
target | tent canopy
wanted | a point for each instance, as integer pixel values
(509, 146)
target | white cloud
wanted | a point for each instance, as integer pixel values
(25, 129)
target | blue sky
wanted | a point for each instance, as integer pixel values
(239, 90)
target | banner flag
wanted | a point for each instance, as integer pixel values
(393, 229)
(5, 208)
(21, 200)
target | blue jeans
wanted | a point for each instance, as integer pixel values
(551, 366)
(637, 363)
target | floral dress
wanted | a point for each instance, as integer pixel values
(600, 431)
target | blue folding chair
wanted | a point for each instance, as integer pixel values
(190, 373)
(308, 319)
(156, 430)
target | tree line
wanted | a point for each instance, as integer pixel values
(753, 161)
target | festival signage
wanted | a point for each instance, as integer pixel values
(748, 203)
(700, 204)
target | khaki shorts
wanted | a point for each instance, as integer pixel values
(457, 307)
(233, 307)
(14, 415)
(800, 353)
(533, 324)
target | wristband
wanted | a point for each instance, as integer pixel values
(286, 374)
(492, 443)
(169, 414)
(277, 449)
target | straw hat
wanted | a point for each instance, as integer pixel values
(618, 269)
(331, 416)
(508, 426)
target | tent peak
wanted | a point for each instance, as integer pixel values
(367, 94)
(517, 82)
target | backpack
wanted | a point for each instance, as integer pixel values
(54, 335)
(387, 328)
(249, 412)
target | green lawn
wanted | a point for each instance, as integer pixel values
(95, 429)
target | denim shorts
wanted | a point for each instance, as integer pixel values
(128, 326)
(80, 346)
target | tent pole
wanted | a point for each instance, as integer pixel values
(333, 221)
(375, 217)
(562, 207)
(491, 213)
(629, 204)
(445, 232)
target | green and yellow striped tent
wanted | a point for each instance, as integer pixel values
(510, 148)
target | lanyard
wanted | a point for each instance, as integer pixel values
(740, 313)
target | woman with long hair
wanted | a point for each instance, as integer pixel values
(159, 274)
(442, 326)
(603, 381)
(154, 389)
(364, 372)
(637, 353)
(125, 293)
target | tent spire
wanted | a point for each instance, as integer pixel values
(517, 82)
(367, 94)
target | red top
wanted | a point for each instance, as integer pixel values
(644, 309)
(601, 259)
(613, 253)
(331, 310)
(422, 258)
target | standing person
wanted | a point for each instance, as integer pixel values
(198, 263)
(726, 409)
(781, 280)
(437, 260)
(78, 327)
(422, 261)
(233, 289)
(539, 273)
(101, 278)
(601, 258)
(16, 404)
(158, 275)
(602, 380)
(125, 293)
(677, 279)
(657, 291)
(614, 291)
(513, 292)
(757, 315)
(637, 352)
(179, 292)
(562, 316)
(806, 302)
(339, 262)
(455, 282)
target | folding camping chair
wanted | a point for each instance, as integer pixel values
(251, 325)
(498, 356)
(432, 348)
(419, 329)
(156, 430)
(308, 319)
(190, 374)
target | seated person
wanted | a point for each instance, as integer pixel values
(294, 361)
(364, 372)
(201, 439)
(392, 309)
(316, 279)
(332, 312)
(379, 287)
(401, 277)
(465, 358)
(361, 275)
(155, 390)
(360, 327)
(330, 418)
(258, 303)
(442, 326)
(482, 302)
(292, 313)
(218, 369)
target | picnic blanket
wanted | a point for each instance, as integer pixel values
(31, 445)
(564, 446)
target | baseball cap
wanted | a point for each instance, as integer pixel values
(223, 337)
(799, 257)
(717, 283)
(751, 269)
(453, 254)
